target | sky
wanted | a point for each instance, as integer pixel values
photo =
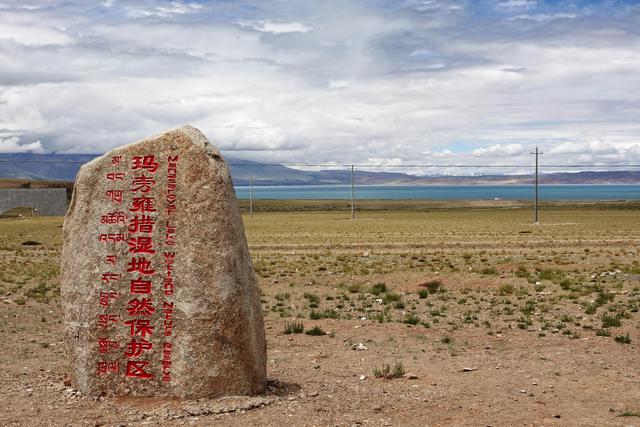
(372, 82)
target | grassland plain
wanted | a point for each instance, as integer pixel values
(420, 316)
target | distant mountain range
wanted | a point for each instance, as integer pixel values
(64, 167)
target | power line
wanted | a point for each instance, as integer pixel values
(537, 153)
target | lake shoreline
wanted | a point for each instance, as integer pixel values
(318, 205)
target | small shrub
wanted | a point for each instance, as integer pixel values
(39, 293)
(603, 333)
(283, 297)
(623, 339)
(387, 372)
(610, 321)
(529, 308)
(293, 328)
(411, 319)
(354, 289)
(315, 331)
(379, 288)
(591, 308)
(552, 275)
(31, 243)
(506, 289)
(522, 272)
(433, 286)
(423, 293)
(489, 271)
(392, 297)
(603, 298)
(566, 284)
(312, 298)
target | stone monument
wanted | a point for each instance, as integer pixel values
(158, 288)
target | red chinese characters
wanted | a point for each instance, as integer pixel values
(136, 368)
(141, 224)
(142, 184)
(141, 327)
(140, 265)
(141, 245)
(147, 163)
(141, 248)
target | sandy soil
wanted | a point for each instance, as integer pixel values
(480, 352)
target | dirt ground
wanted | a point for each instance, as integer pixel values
(487, 320)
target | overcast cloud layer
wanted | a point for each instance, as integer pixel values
(332, 81)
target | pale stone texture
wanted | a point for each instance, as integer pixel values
(217, 338)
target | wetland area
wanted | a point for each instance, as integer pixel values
(415, 313)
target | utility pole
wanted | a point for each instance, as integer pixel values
(535, 208)
(353, 196)
(251, 196)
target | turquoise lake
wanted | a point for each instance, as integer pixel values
(445, 192)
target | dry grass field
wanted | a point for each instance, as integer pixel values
(422, 316)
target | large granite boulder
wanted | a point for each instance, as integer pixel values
(158, 288)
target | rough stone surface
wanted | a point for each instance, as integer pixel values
(206, 335)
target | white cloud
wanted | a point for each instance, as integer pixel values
(12, 145)
(338, 84)
(162, 11)
(543, 17)
(332, 81)
(276, 27)
(499, 150)
(511, 5)
(597, 147)
(33, 35)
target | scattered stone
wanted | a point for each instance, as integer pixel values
(469, 369)
(67, 382)
(158, 288)
(411, 376)
(362, 377)
(365, 254)
(359, 347)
